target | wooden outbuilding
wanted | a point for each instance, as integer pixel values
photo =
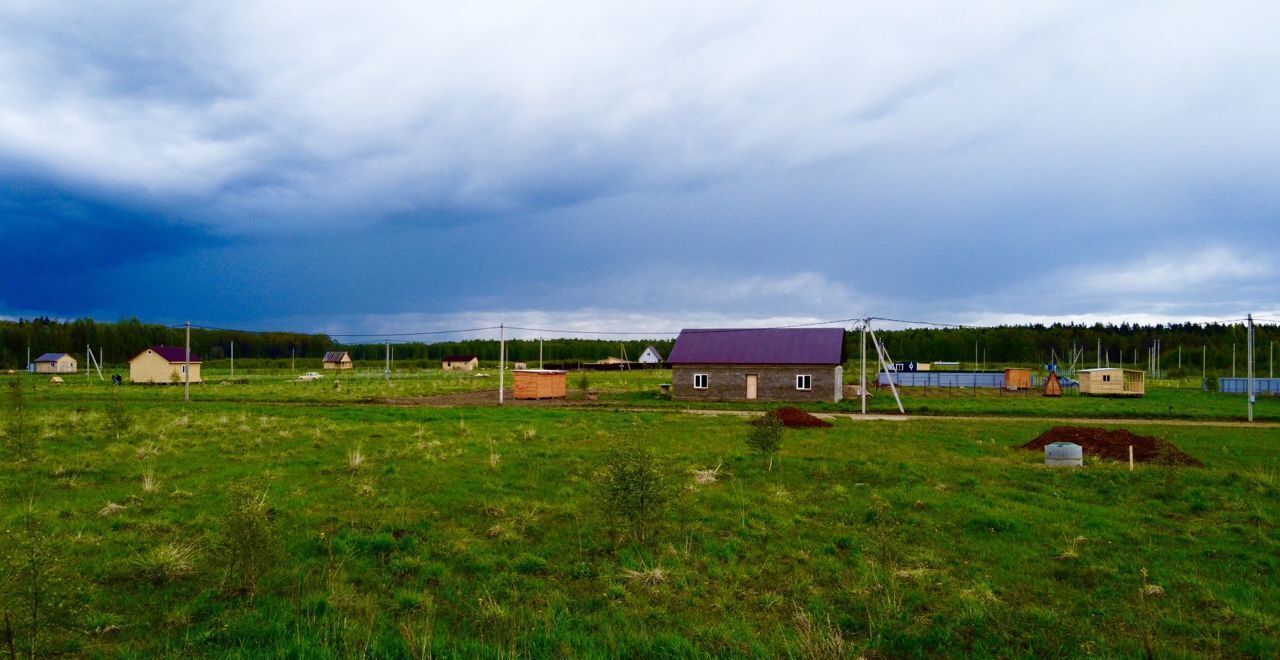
(774, 364)
(338, 360)
(460, 363)
(55, 363)
(541, 384)
(1112, 381)
(1017, 379)
(1052, 386)
(163, 365)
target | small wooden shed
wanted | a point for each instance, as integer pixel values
(460, 363)
(541, 384)
(1052, 386)
(338, 360)
(1017, 379)
(1112, 381)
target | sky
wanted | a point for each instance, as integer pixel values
(638, 167)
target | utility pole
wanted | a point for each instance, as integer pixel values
(1233, 359)
(539, 352)
(186, 368)
(862, 371)
(293, 358)
(1099, 352)
(502, 360)
(233, 359)
(386, 369)
(1204, 367)
(1250, 353)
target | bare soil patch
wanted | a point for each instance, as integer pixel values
(1115, 443)
(794, 418)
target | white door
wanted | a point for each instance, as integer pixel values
(753, 381)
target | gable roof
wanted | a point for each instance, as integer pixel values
(336, 356)
(459, 358)
(172, 353)
(759, 346)
(51, 357)
(650, 349)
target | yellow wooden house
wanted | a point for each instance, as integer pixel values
(163, 365)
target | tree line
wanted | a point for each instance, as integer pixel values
(1114, 344)
(1026, 344)
(121, 340)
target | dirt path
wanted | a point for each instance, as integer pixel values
(1128, 421)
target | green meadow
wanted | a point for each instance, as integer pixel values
(275, 518)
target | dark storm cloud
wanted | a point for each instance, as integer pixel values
(665, 161)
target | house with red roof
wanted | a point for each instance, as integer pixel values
(164, 365)
(769, 364)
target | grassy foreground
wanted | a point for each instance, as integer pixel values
(475, 532)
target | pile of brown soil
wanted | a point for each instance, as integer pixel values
(795, 418)
(1114, 444)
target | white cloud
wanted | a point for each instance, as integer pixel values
(299, 115)
(1171, 272)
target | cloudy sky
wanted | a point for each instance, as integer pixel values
(638, 166)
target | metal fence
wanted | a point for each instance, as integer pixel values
(1241, 385)
(987, 379)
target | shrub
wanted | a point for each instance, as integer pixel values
(118, 420)
(19, 441)
(633, 491)
(765, 437)
(250, 544)
(584, 383)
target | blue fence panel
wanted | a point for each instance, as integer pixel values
(1241, 385)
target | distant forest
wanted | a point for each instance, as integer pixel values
(1030, 345)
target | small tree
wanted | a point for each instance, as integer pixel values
(250, 543)
(765, 436)
(118, 420)
(584, 383)
(633, 491)
(19, 441)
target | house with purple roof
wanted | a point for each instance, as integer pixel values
(164, 365)
(54, 363)
(769, 364)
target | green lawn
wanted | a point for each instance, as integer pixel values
(470, 532)
(640, 389)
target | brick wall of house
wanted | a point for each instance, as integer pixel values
(776, 383)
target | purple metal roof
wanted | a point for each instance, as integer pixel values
(333, 356)
(173, 353)
(759, 346)
(50, 357)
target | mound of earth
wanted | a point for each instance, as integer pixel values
(795, 418)
(1114, 444)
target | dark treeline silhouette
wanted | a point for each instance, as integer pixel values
(124, 339)
(1035, 344)
(1029, 345)
(518, 350)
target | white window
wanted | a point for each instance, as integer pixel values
(184, 368)
(804, 382)
(1106, 378)
(700, 381)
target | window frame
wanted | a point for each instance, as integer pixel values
(808, 379)
(706, 381)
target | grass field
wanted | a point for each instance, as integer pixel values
(462, 532)
(641, 389)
